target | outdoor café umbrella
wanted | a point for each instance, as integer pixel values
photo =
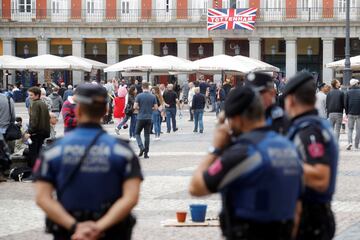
(178, 64)
(257, 65)
(85, 63)
(144, 63)
(5, 59)
(340, 65)
(41, 62)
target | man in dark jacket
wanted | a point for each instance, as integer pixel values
(352, 110)
(56, 101)
(198, 105)
(39, 124)
(335, 107)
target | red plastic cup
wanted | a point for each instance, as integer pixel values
(181, 216)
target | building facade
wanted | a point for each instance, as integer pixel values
(290, 34)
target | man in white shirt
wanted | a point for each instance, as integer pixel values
(190, 99)
(321, 100)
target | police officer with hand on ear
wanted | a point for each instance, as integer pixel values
(319, 151)
(276, 118)
(256, 170)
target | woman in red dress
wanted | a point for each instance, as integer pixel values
(119, 104)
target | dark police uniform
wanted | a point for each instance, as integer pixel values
(316, 143)
(259, 177)
(276, 118)
(98, 182)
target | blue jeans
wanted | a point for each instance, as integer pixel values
(132, 125)
(212, 100)
(198, 119)
(219, 106)
(156, 119)
(171, 114)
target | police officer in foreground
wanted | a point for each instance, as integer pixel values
(96, 177)
(276, 118)
(257, 172)
(318, 148)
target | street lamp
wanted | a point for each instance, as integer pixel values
(61, 50)
(95, 50)
(165, 50)
(273, 50)
(7, 74)
(347, 69)
(309, 53)
(26, 50)
(237, 49)
(201, 50)
(130, 50)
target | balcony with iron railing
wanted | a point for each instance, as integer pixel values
(269, 15)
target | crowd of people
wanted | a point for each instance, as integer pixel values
(273, 157)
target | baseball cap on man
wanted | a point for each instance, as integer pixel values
(353, 82)
(238, 100)
(296, 81)
(259, 81)
(88, 93)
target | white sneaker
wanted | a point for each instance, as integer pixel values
(117, 131)
(348, 147)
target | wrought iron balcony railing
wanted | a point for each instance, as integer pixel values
(173, 15)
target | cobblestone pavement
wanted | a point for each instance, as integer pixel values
(164, 190)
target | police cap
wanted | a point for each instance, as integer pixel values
(296, 81)
(87, 93)
(259, 81)
(238, 100)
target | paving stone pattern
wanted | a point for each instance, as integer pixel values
(164, 190)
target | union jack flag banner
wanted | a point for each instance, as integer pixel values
(227, 19)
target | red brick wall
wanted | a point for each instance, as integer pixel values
(181, 7)
(328, 8)
(110, 9)
(76, 9)
(291, 8)
(146, 7)
(41, 6)
(6, 9)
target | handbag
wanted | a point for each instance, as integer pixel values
(129, 110)
(13, 132)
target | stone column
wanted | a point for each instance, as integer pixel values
(43, 48)
(255, 48)
(78, 50)
(291, 57)
(112, 54)
(9, 49)
(219, 48)
(183, 52)
(147, 48)
(328, 57)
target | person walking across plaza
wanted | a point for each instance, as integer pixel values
(335, 107)
(257, 171)
(190, 99)
(171, 101)
(352, 110)
(212, 95)
(220, 98)
(56, 101)
(321, 100)
(39, 124)
(96, 177)
(318, 148)
(6, 107)
(198, 106)
(68, 113)
(156, 115)
(145, 103)
(275, 116)
(68, 92)
(129, 114)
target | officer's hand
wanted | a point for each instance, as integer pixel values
(222, 136)
(86, 231)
